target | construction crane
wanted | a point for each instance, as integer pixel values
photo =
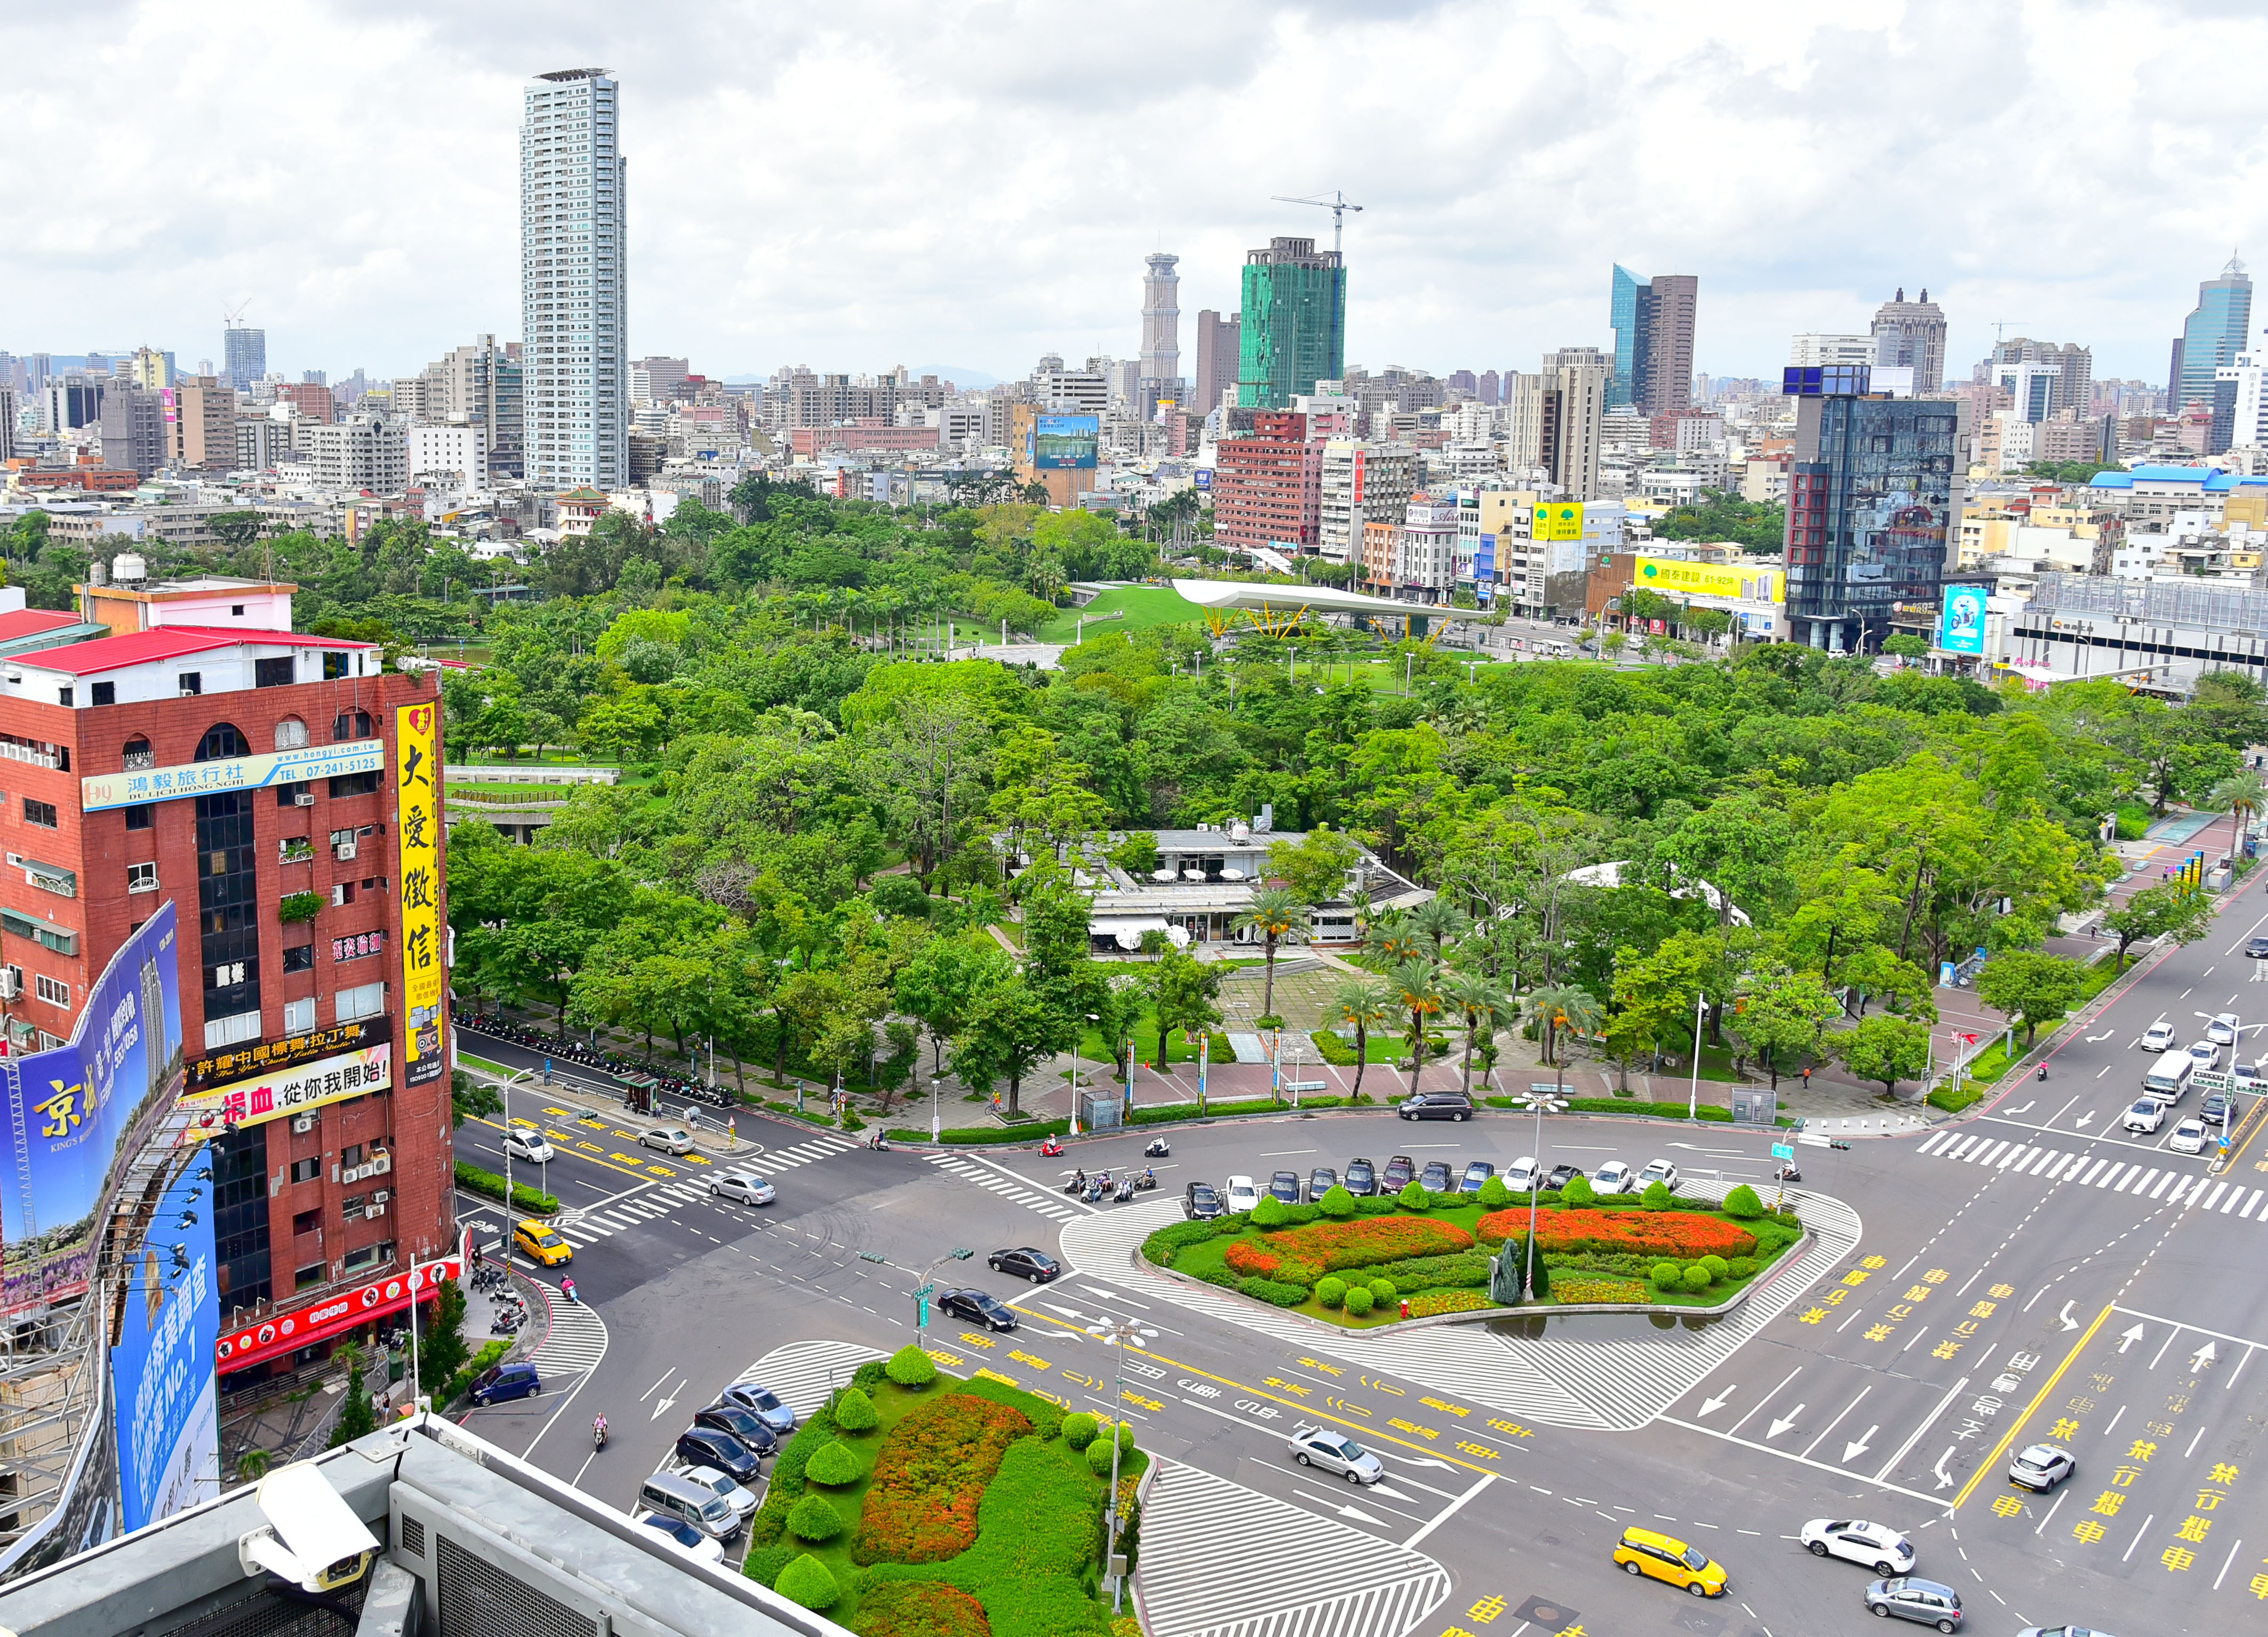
(229, 319)
(1335, 203)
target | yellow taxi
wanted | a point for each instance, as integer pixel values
(1643, 1552)
(541, 1244)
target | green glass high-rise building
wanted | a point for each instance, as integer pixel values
(1295, 323)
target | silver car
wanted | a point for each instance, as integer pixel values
(745, 1186)
(1334, 1452)
(2207, 1054)
(2220, 1029)
(529, 1147)
(1910, 1598)
(1658, 1171)
(743, 1503)
(2158, 1037)
(1878, 1545)
(2041, 1467)
(668, 1138)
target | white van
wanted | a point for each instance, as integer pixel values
(2168, 1079)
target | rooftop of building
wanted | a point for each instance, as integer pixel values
(2211, 479)
(169, 642)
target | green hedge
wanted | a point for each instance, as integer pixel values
(770, 1521)
(1273, 1291)
(458, 1385)
(1047, 1419)
(472, 1179)
(1953, 1099)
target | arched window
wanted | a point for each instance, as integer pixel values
(290, 734)
(138, 753)
(220, 743)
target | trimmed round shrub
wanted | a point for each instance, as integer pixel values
(854, 1412)
(1666, 1275)
(809, 1581)
(1656, 1197)
(1743, 1203)
(1696, 1277)
(834, 1466)
(1358, 1301)
(1494, 1195)
(1291, 1271)
(1578, 1191)
(1413, 1197)
(1330, 1290)
(814, 1518)
(1270, 1212)
(910, 1367)
(1717, 1267)
(1740, 1267)
(1098, 1457)
(1337, 1203)
(1382, 1291)
(1079, 1428)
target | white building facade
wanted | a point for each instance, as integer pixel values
(573, 290)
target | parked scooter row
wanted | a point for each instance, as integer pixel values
(574, 1052)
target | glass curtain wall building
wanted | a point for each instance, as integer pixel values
(575, 359)
(1295, 323)
(1630, 311)
(2212, 336)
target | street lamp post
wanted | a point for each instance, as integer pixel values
(1121, 1334)
(933, 1109)
(1539, 1104)
(1693, 1096)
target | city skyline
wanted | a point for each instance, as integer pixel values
(807, 244)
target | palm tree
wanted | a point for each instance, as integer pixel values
(1390, 936)
(1417, 988)
(1562, 1006)
(1440, 923)
(1363, 1002)
(1475, 997)
(2244, 794)
(1276, 914)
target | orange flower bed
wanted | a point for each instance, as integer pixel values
(1366, 1242)
(930, 1476)
(1684, 1235)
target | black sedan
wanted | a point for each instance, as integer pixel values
(1025, 1262)
(1361, 1178)
(1437, 1177)
(1436, 1105)
(1284, 1185)
(977, 1307)
(748, 1425)
(1321, 1181)
(1562, 1174)
(705, 1446)
(2256, 948)
(1200, 1203)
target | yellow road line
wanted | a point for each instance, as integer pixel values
(590, 1159)
(1993, 1461)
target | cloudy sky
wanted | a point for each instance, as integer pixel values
(858, 184)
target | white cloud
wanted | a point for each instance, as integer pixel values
(861, 184)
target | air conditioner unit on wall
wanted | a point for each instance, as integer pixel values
(380, 1163)
(302, 1124)
(381, 1195)
(304, 798)
(373, 1210)
(11, 982)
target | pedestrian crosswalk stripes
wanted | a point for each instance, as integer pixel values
(789, 1156)
(1318, 1577)
(801, 1373)
(577, 1339)
(2138, 1179)
(992, 1182)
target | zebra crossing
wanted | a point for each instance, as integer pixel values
(1007, 1188)
(802, 1373)
(1318, 1578)
(2165, 1183)
(635, 1211)
(576, 1341)
(1561, 1378)
(824, 1146)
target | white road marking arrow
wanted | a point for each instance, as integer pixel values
(2127, 1338)
(1422, 1460)
(2088, 1118)
(1944, 1478)
(2026, 1109)
(1786, 1422)
(1709, 1406)
(2064, 1318)
(1355, 1512)
(658, 1408)
(2202, 1357)
(1852, 1452)
(2098, 1039)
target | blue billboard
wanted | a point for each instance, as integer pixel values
(79, 1112)
(164, 1392)
(1065, 442)
(1962, 629)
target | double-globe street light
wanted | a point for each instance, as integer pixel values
(1121, 1334)
(1539, 1103)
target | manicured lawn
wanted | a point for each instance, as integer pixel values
(1143, 606)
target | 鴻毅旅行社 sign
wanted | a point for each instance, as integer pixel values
(133, 786)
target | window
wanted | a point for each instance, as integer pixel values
(306, 1221)
(142, 878)
(308, 1170)
(351, 1157)
(290, 734)
(364, 1000)
(335, 667)
(222, 743)
(344, 892)
(236, 610)
(228, 1031)
(370, 1255)
(299, 1015)
(53, 992)
(39, 812)
(307, 1278)
(142, 816)
(138, 754)
(350, 1207)
(355, 784)
(274, 673)
(352, 725)
(189, 682)
(288, 795)
(301, 958)
(106, 693)
(65, 696)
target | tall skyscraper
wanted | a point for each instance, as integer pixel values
(2212, 336)
(2069, 370)
(573, 286)
(1161, 333)
(1652, 321)
(1293, 330)
(1556, 420)
(1911, 334)
(244, 355)
(1218, 349)
(1630, 311)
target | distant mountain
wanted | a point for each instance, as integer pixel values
(959, 374)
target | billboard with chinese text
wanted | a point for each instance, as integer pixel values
(1736, 580)
(1065, 442)
(418, 816)
(98, 791)
(1557, 520)
(164, 1393)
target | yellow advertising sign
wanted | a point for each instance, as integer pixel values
(417, 813)
(1711, 580)
(1557, 520)
(293, 1090)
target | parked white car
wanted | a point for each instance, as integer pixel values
(1658, 1171)
(1613, 1177)
(2189, 1137)
(2221, 1028)
(1880, 1547)
(1242, 1195)
(2160, 1037)
(1523, 1173)
(2145, 1116)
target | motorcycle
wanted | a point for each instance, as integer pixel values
(2044, 1071)
(1124, 1191)
(1051, 1148)
(1093, 1192)
(598, 1434)
(879, 1143)
(1078, 1182)
(1148, 1179)
(567, 1289)
(1159, 1149)
(1787, 1174)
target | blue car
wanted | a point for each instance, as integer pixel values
(500, 1381)
(764, 1402)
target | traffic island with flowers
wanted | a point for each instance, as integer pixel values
(922, 1505)
(1356, 1262)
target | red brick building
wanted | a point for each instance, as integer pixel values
(282, 791)
(1267, 485)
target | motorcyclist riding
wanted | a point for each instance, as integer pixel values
(599, 1433)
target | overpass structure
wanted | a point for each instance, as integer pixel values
(1271, 605)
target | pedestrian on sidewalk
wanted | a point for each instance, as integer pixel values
(1806, 1077)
